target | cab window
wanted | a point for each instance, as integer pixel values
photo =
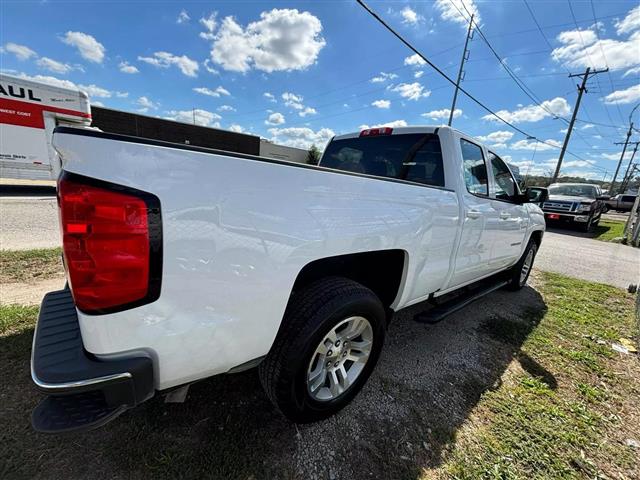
(475, 168)
(506, 187)
(415, 157)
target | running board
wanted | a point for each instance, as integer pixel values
(439, 312)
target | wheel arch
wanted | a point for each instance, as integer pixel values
(381, 271)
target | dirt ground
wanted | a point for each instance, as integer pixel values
(428, 380)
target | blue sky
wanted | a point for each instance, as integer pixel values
(299, 72)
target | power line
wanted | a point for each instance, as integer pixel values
(449, 79)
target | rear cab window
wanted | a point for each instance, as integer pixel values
(413, 157)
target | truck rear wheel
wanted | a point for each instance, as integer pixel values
(329, 342)
(520, 271)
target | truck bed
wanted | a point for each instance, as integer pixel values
(236, 232)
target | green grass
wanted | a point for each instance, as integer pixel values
(607, 230)
(530, 429)
(26, 265)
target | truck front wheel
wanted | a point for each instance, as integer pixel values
(520, 272)
(328, 344)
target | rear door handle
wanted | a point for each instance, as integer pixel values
(473, 214)
(505, 215)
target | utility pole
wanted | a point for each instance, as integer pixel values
(464, 58)
(624, 150)
(626, 178)
(581, 89)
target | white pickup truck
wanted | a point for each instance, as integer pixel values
(184, 262)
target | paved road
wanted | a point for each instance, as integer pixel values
(564, 252)
(28, 221)
(31, 222)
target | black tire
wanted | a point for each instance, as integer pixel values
(588, 227)
(516, 282)
(310, 315)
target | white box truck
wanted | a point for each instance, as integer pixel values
(29, 112)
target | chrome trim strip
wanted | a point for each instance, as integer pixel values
(69, 385)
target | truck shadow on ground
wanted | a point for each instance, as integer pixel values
(427, 382)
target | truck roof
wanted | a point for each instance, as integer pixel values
(395, 131)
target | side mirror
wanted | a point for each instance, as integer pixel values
(536, 195)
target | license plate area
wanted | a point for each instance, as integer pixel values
(553, 216)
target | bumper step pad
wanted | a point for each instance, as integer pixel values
(82, 411)
(85, 392)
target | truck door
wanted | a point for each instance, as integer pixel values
(513, 217)
(480, 222)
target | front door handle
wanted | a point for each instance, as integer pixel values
(505, 215)
(473, 214)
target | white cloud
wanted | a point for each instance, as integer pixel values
(414, 60)
(183, 17)
(531, 145)
(418, 74)
(226, 108)
(21, 52)
(275, 119)
(292, 100)
(95, 103)
(442, 114)
(53, 81)
(122, 94)
(410, 16)
(164, 60)
(616, 156)
(411, 91)
(307, 111)
(632, 71)
(126, 67)
(381, 103)
(622, 97)
(394, 124)
(586, 126)
(220, 90)
(95, 91)
(383, 77)
(234, 127)
(197, 117)
(53, 65)
(581, 48)
(209, 23)
(270, 97)
(497, 137)
(89, 48)
(534, 113)
(451, 10)
(209, 68)
(146, 103)
(283, 39)
(301, 137)
(630, 23)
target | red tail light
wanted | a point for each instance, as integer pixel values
(111, 241)
(373, 132)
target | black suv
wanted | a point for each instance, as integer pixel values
(580, 204)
